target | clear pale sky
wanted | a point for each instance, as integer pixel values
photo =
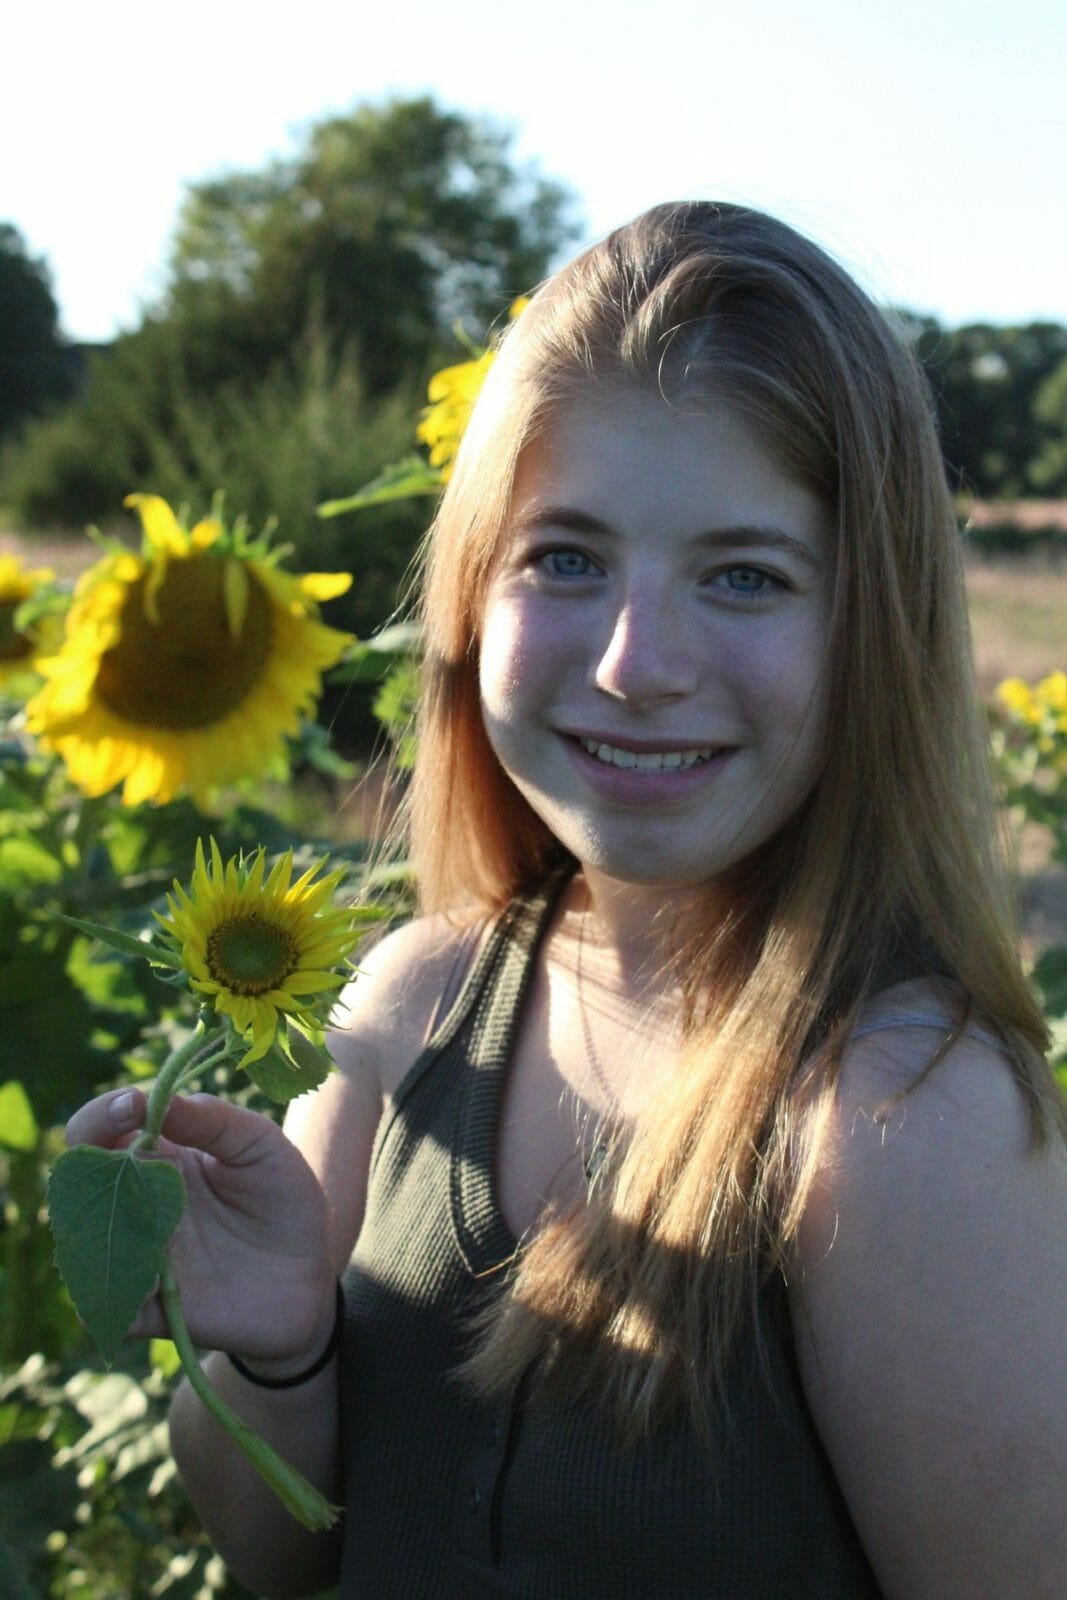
(923, 141)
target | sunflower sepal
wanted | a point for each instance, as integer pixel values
(281, 1077)
(145, 949)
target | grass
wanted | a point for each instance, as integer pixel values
(1018, 618)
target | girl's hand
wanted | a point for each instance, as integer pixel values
(250, 1252)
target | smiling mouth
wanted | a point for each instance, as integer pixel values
(647, 760)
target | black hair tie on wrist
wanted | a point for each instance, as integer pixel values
(316, 1366)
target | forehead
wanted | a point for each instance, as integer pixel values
(626, 457)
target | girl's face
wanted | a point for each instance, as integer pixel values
(653, 643)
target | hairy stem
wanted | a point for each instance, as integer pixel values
(300, 1498)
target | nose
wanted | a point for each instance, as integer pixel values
(647, 657)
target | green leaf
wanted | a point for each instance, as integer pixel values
(163, 1355)
(412, 476)
(24, 860)
(1050, 974)
(14, 1579)
(368, 660)
(292, 1066)
(157, 954)
(18, 1125)
(46, 1026)
(113, 1215)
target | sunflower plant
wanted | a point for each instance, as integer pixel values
(31, 623)
(451, 394)
(259, 955)
(1030, 745)
(185, 665)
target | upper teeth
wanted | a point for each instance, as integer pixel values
(649, 761)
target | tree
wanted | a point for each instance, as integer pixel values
(390, 224)
(292, 290)
(1048, 470)
(33, 365)
(986, 381)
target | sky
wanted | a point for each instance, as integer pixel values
(923, 142)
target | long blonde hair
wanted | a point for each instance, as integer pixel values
(640, 1295)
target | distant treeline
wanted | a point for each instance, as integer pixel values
(307, 303)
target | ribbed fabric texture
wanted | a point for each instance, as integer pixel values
(448, 1499)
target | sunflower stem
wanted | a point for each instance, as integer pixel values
(203, 1062)
(165, 1087)
(300, 1498)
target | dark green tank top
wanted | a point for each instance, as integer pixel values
(451, 1499)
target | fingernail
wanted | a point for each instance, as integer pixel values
(121, 1111)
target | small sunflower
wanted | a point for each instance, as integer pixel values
(23, 645)
(184, 667)
(262, 950)
(452, 393)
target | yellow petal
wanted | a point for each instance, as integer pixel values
(160, 525)
(325, 585)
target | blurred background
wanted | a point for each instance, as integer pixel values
(233, 251)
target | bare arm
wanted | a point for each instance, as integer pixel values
(261, 1544)
(931, 1321)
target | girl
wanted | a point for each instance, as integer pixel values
(698, 1187)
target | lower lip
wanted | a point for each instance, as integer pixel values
(631, 787)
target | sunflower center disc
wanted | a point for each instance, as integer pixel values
(187, 671)
(249, 956)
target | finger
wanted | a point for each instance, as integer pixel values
(108, 1120)
(231, 1134)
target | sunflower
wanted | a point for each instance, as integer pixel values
(262, 950)
(452, 393)
(23, 645)
(185, 666)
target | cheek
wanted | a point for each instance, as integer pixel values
(500, 657)
(516, 655)
(778, 675)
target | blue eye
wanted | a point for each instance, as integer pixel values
(750, 581)
(747, 580)
(567, 563)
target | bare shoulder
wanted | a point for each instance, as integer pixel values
(385, 1015)
(930, 1308)
(382, 1022)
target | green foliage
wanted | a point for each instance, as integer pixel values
(389, 224)
(1004, 432)
(305, 307)
(34, 366)
(301, 434)
(1030, 744)
(1048, 469)
(90, 1505)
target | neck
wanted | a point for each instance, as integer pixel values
(632, 927)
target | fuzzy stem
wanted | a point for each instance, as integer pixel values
(203, 1062)
(165, 1087)
(300, 1498)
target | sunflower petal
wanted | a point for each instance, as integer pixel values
(162, 530)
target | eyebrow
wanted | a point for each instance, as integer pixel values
(739, 535)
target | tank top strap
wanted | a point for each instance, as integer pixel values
(488, 1032)
(464, 1065)
(496, 980)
